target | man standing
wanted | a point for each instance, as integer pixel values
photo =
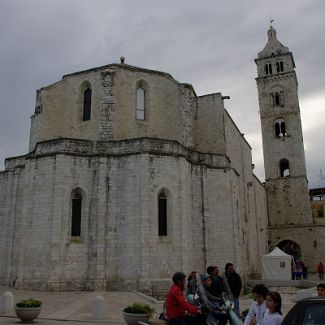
(235, 285)
(176, 305)
(218, 288)
(320, 270)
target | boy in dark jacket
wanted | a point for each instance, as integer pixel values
(235, 285)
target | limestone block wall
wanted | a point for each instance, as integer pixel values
(119, 241)
(311, 240)
(47, 120)
(284, 147)
(288, 201)
(172, 109)
(209, 124)
(250, 202)
(61, 109)
(169, 107)
(11, 189)
(165, 100)
(289, 147)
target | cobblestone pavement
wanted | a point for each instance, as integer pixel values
(74, 308)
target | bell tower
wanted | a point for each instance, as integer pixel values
(283, 148)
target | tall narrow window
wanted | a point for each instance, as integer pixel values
(282, 99)
(87, 105)
(284, 168)
(268, 68)
(277, 129)
(280, 128)
(76, 215)
(279, 66)
(162, 214)
(140, 109)
(278, 99)
(283, 129)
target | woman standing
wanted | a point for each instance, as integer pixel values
(273, 314)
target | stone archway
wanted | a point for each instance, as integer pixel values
(290, 247)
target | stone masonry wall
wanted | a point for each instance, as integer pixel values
(119, 242)
(250, 203)
(172, 110)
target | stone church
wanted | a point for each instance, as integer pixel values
(130, 176)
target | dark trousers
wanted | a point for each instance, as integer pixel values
(321, 275)
(187, 320)
(220, 316)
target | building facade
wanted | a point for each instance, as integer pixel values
(130, 176)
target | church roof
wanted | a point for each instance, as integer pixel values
(273, 46)
(131, 68)
(121, 66)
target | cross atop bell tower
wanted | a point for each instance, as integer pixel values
(284, 156)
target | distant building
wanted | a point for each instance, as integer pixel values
(130, 176)
(317, 201)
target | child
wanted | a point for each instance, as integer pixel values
(273, 315)
(258, 307)
(321, 290)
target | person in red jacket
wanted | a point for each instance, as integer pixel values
(320, 270)
(177, 308)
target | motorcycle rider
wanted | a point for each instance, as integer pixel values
(211, 305)
(177, 307)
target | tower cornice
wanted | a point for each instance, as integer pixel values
(276, 56)
(277, 77)
(276, 113)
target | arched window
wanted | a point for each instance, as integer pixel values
(87, 105)
(140, 109)
(268, 68)
(284, 168)
(283, 130)
(277, 129)
(280, 128)
(76, 214)
(162, 214)
(279, 66)
(278, 99)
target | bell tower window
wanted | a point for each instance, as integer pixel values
(284, 168)
(268, 68)
(279, 66)
(278, 99)
(280, 128)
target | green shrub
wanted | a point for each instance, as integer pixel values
(29, 303)
(139, 308)
(248, 291)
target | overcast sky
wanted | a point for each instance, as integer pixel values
(210, 44)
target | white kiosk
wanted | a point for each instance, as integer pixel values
(276, 265)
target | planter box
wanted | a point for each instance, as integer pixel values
(133, 319)
(27, 314)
